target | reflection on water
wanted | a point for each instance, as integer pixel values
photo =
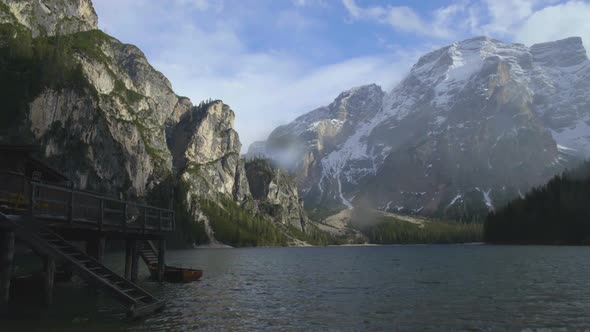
(347, 288)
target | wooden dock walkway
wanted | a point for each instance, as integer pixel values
(47, 217)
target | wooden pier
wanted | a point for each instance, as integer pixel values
(47, 217)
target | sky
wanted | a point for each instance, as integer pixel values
(273, 60)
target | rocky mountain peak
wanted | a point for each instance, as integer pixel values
(563, 53)
(50, 17)
(476, 121)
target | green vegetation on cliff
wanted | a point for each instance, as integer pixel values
(27, 66)
(557, 213)
(236, 226)
(188, 231)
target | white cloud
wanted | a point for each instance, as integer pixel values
(211, 59)
(505, 14)
(442, 23)
(202, 5)
(206, 54)
(556, 22)
(303, 3)
(527, 21)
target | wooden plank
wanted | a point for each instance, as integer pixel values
(161, 259)
(134, 262)
(101, 214)
(6, 264)
(32, 199)
(48, 279)
(126, 215)
(71, 207)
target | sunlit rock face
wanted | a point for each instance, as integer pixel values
(116, 129)
(116, 126)
(276, 193)
(472, 125)
(206, 152)
(50, 17)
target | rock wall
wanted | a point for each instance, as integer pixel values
(276, 193)
(50, 17)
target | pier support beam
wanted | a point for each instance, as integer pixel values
(95, 248)
(131, 259)
(48, 279)
(161, 259)
(129, 245)
(6, 264)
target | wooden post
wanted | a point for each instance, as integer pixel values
(6, 264)
(71, 208)
(129, 244)
(161, 259)
(101, 214)
(48, 278)
(134, 261)
(95, 247)
(125, 215)
(32, 199)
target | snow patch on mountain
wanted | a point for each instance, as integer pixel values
(575, 137)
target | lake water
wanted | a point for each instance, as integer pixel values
(438, 288)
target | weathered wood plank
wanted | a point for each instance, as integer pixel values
(161, 259)
(48, 279)
(6, 264)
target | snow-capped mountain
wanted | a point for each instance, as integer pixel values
(472, 125)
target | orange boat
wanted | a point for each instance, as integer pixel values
(177, 274)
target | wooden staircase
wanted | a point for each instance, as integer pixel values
(138, 301)
(148, 253)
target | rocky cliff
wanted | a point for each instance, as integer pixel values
(472, 125)
(276, 193)
(104, 116)
(302, 145)
(206, 152)
(50, 17)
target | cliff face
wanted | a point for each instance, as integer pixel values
(206, 152)
(103, 115)
(302, 145)
(276, 193)
(115, 125)
(50, 17)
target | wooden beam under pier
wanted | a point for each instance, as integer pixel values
(6, 263)
(48, 279)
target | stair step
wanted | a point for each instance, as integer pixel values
(93, 272)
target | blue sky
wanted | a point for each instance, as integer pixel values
(272, 60)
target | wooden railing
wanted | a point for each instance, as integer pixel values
(45, 201)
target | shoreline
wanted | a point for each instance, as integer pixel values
(224, 246)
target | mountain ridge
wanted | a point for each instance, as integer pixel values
(479, 118)
(112, 123)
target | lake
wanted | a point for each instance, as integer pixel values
(373, 288)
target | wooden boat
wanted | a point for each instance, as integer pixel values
(177, 274)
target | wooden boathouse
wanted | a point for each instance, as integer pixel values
(40, 208)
